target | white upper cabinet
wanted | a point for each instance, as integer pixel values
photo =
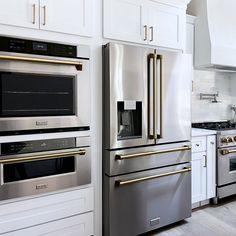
(167, 25)
(23, 13)
(66, 16)
(123, 20)
(146, 22)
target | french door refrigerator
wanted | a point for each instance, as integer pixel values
(146, 139)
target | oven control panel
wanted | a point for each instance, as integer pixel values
(227, 140)
(37, 146)
(17, 45)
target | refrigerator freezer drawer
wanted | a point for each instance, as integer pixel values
(138, 159)
(144, 201)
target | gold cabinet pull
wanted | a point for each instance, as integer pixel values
(81, 152)
(152, 36)
(34, 14)
(131, 181)
(227, 151)
(144, 154)
(145, 32)
(43, 60)
(44, 15)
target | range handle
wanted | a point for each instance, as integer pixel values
(227, 151)
(145, 154)
(42, 157)
(131, 181)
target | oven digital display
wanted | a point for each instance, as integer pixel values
(42, 47)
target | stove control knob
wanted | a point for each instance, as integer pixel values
(224, 140)
(229, 140)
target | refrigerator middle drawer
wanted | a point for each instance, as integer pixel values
(144, 158)
(140, 202)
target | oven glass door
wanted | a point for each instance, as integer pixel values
(35, 169)
(226, 168)
(28, 94)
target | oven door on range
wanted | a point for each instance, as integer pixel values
(226, 166)
(42, 172)
(40, 95)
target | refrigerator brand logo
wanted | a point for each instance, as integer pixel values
(41, 123)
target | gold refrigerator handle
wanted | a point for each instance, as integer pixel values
(142, 154)
(131, 181)
(81, 152)
(160, 57)
(77, 64)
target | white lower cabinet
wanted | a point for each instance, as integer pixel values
(32, 216)
(80, 225)
(203, 168)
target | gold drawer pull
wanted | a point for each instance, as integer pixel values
(81, 152)
(142, 154)
(124, 182)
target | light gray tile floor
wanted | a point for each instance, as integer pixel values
(211, 220)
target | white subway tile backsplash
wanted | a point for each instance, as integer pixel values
(213, 82)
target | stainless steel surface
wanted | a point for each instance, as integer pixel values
(82, 91)
(132, 209)
(120, 75)
(114, 166)
(81, 175)
(225, 191)
(146, 178)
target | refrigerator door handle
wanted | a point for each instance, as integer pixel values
(160, 58)
(151, 99)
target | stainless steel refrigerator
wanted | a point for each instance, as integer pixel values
(146, 139)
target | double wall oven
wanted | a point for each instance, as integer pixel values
(44, 88)
(146, 139)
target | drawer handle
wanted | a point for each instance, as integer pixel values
(125, 182)
(142, 154)
(81, 152)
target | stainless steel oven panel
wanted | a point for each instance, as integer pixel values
(224, 174)
(134, 208)
(82, 99)
(136, 159)
(81, 176)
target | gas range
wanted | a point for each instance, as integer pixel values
(226, 132)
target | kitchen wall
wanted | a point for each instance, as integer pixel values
(211, 82)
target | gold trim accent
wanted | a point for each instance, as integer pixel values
(43, 60)
(227, 151)
(34, 14)
(81, 152)
(142, 154)
(124, 182)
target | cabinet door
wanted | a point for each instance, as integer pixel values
(67, 16)
(124, 20)
(23, 13)
(167, 26)
(80, 225)
(211, 166)
(198, 177)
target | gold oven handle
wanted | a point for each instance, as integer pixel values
(142, 154)
(227, 151)
(81, 152)
(77, 64)
(131, 181)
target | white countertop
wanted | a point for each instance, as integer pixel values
(202, 132)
